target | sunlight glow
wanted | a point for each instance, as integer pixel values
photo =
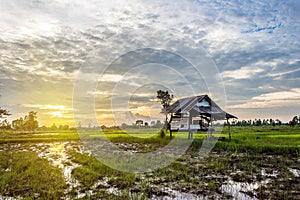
(56, 114)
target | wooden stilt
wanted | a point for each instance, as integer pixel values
(228, 124)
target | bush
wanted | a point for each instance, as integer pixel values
(162, 133)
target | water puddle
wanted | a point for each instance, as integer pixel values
(274, 174)
(296, 172)
(8, 198)
(56, 154)
(242, 190)
(177, 195)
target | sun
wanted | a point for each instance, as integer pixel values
(57, 114)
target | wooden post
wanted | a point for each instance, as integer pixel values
(189, 126)
(209, 134)
(169, 127)
(228, 124)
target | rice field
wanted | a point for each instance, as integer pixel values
(257, 163)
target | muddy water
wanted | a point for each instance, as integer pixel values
(56, 154)
(239, 190)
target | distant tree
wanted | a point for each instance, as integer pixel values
(66, 127)
(5, 124)
(30, 122)
(165, 99)
(278, 122)
(63, 127)
(53, 127)
(139, 122)
(44, 128)
(3, 114)
(158, 123)
(273, 123)
(294, 121)
(103, 127)
(249, 122)
(146, 124)
(258, 122)
(124, 125)
(18, 123)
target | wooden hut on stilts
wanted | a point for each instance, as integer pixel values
(195, 114)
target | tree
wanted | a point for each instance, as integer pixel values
(3, 114)
(165, 100)
(158, 124)
(63, 127)
(31, 122)
(294, 121)
(5, 124)
(18, 123)
(53, 127)
(28, 123)
(139, 122)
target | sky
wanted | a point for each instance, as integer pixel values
(107, 59)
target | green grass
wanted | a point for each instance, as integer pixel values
(262, 139)
(92, 170)
(25, 174)
(39, 136)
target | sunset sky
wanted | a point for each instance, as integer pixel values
(49, 45)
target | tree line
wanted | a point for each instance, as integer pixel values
(266, 122)
(28, 122)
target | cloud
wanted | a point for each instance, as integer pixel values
(43, 44)
(272, 100)
(242, 73)
(48, 107)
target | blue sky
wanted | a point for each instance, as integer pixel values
(253, 44)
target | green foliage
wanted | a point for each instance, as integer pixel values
(28, 123)
(4, 113)
(165, 98)
(162, 133)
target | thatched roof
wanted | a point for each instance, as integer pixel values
(201, 104)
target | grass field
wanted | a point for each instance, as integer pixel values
(258, 162)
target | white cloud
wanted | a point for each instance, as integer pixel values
(49, 40)
(242, 73)
(273, 100)
(111, 78)
(48, 107)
